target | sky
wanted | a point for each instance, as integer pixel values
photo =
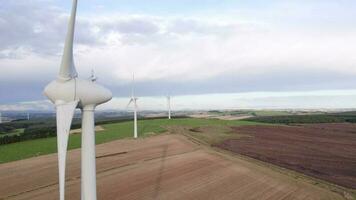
(207, 50)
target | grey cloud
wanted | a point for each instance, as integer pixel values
(178, 50)
(137, 26)
(41, 29)
(30, 26)
(37, 28)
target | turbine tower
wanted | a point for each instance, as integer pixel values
(0, 118)
(169, 106)
(68, 92)
(28, 116)
(133, 100)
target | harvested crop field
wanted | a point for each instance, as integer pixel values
(160, 167)
(325, 151)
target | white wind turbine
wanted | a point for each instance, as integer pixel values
(169, 106)
(68, 92)
(133, 100)
(0, 118)
(93, 78)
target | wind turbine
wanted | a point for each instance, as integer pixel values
(169, 106)
(0, 118)
(93, 78)
(68, 92)
(28, 116)
(133, 100)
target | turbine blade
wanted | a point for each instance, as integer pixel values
(131, 100)
(67, 70)
(65, 113)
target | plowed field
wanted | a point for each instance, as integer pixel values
(161, 167)
(325, 151)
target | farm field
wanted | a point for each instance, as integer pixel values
(169, 166)
(115, 131)
(324, 151)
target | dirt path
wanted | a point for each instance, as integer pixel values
(162, 167)
(79, 131)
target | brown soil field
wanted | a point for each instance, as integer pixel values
(324, 151)
(161, 167)
(222, 117)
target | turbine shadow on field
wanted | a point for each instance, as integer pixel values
(160, 173)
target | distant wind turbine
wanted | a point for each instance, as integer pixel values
(133, 100)
(68, 92)
(0, 118)
(93, 78)
(28, 116)
(169, 106)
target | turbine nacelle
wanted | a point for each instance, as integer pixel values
(84, 91)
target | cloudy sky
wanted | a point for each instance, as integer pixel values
(185, 48)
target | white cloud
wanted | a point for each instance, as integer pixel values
(323, 99)
(27, 106)
(242, 43)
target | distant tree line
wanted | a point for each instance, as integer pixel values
(8, 127)
(305, 119)
(32, 130)
(45, 129)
